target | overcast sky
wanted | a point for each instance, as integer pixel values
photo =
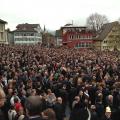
(55, 13)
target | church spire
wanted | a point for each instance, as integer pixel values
(44, 29)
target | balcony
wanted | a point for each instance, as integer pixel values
(28, 37)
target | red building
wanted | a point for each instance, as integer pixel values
(77, 37)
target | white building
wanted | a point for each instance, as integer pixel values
(27, 34)
(3, 32)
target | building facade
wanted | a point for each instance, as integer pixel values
(58, 36)
(3, 32)
(27, 34)
(109, 37)
(77, 37)
(10, 36)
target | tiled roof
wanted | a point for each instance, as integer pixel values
(106, 28)
(71, 25)
(2, 21)
(26, 27)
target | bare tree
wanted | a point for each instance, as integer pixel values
(96, 21)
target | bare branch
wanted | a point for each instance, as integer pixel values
(96, 21)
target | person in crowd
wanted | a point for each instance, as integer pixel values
(79, 112)
(64, 95)
(17, 104)
(93, 112)
(59, 109)
(2, 102)
(51, 98)
(33, 107)
(49, 114)
(93, 75)
(76, 101)
(12, 113)
(14, 96)
(107, 115)
(20, 114)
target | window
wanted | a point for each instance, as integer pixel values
(105, 41)
(79, 29)
(82, 37)
(90, 44)
(2, 35)
(85, 37)
(72, 36)
(1, 28)
(110, 41)
(16, 34)
(110, 36)
(87, 44)
(76, 37)
(16, 39)
(77, 45)
(89, 37)
(27, 34)
(32, 34)
(26, 39)
(82, 45)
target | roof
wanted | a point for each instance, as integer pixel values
(2, 21)
(73, 26)
(106, 28)
(26, 27)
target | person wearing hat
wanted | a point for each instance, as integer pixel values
(107, 115)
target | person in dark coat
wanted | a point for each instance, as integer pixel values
(79, 112)
(64, 95)
(59, 109)
(100, 109)
(33, 108)
(72, 94)
(93, 112)
(49, 114)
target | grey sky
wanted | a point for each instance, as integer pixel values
(55, 13)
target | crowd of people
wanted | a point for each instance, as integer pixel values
(38, 83)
